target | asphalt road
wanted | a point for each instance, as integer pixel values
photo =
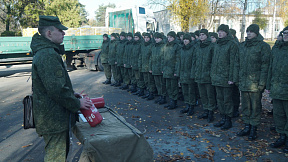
(173, 136)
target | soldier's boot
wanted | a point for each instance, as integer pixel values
(134, 88)
(158, 99)
(170, 103)
(253, 133)
(131, 88)
(210, 116)
(190, 110)
(108, 81)
(280, 141)
(125, 86)
(112, 84)
(173, 105)
(204, 115)
(285, 150)
(185, 110)
(236, 112)
(163, 100)
(137, 92)
(245, 131)
(221, 122)
(227, 124)
(147, 95)
(150, 97)
(141, 93)
(117, 84)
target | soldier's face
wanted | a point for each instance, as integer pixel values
(251, 35)
(129, 38)
(104, 38)
(136, 38)
(222, 34)
(56, 35)
(213, 39)
(112, 38)
(202, 37)
(192, 38)
(157, 40)
(170, 39)
(285, 35)
(186, 41)
(122, 37)
(279, 37)
(146, 38)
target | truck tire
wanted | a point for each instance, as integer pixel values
(98, 65)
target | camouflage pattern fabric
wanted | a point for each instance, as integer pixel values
(104, 51)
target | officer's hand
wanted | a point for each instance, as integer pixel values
(230, 82)
(85, 103)
(175, 75)
(267, 91)
(150, 71)
(77, 95)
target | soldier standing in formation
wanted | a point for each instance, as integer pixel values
(104, 58)
(112, 56)
(119, 58)
(127, 64)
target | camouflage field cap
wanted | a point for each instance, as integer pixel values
(51, 21)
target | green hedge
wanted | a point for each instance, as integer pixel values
(10, 33)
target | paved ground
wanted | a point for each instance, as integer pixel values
(173, 136)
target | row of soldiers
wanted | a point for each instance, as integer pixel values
(214, 64)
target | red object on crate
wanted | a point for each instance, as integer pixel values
(98, 102)
(92, 115)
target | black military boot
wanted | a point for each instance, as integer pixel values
(147, 95)
(185, 110)
(253, 133)
(236, 112)
(170, 103)
(108, 81)
(163, 100)
(173, 105)
(204, 115)
(221, 122)
(158, 99)
(141, 93)
(210, 116)
(190, 110)
(227, 124)
(150, 97)
(112, 84)
(280, 141)
(134, 88)
(285, 150)
(117, 84)
(137, 92)
(125, 87)
(245, 131)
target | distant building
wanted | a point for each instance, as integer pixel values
(165, 24)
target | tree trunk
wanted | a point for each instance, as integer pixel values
(8, 16)
(243, 21)
(273, 21)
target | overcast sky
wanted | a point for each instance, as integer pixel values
(92, 5)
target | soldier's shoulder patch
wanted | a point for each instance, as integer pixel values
(59, 73)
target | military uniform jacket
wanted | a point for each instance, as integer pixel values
(184, 63)
(145, 56)
(222, 67)
(135, 54)
(112, 52)
(277, 81)
(105, 51)
(128, 54)
(202, 59)
(252, 64)
(171, 52)
(120, 52)
(53, 95)
(157, 55)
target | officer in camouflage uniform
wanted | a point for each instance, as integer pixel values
(171, 52)
(201, 71)
(119, 58)
(213, 37)
(126, 62)
(252, 71)
(155, 67)
(112, 57)
(144, 59)
(222, 69)
(134, 64)
(104, 58)
(278, 85)
(183, 70)
(55, 104)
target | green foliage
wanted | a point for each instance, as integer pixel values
(259, 20)
(100, 13)
(286, 23)
(10, 33)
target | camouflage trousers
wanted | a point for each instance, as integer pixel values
(172, 88)
(208, 96)
(135, 76)
(141, 82)
(236, 97)
(280, 115)
(116, 72)
(149, 81)
(251, 107)
(224, 100)
(107, 71)
(189, 92)
(160, 85)
(56, 147)
(126, 76)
